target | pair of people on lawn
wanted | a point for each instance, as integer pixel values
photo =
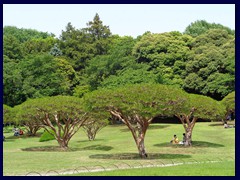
(176, 141)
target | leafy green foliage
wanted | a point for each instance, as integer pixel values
(99, 33)
(79, 46)
(229, 101)
(164, 51)
(206, 107)
(131, 76)
(46, 136)
(45, 75)
(201, 26)
(23, 34)
(55, 51)
(119, 57)
(12, 83)
(63, 115)
(7, 114)
(210, 71)
(145, 100)
(39, 45)
(201, 60)
(12, 48)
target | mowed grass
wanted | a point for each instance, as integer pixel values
(226, 168)
(114, 147)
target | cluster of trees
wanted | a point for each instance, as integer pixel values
(200, 60)
(134, 105)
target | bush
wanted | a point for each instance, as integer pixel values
(8, 129)
(46, 136)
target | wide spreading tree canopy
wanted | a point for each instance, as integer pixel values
(61, 116)
(137, 105)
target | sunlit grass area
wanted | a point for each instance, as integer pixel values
(114, 147)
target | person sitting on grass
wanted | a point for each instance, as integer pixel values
(184, 139)
(228, 126)
(16, 131)
(174, 140)
(20, 132)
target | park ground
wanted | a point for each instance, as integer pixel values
(114, 152)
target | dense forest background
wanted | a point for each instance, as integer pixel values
(200, 60)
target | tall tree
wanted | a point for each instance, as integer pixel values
(99, 33)
(76, 46)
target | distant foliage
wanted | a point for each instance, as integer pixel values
(201, 26)
(55, 51)
(23, 34)
(211, 70)
(201, 60)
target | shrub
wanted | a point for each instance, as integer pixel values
(46, 136)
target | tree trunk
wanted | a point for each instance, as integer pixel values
(188, 122)
(141, 148)
(63, 144)
(188, 141)
(139, 133)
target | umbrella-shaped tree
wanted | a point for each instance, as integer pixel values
(229, 103)
(61, 116)
(197, 106)
(135, 106)
(7, 114)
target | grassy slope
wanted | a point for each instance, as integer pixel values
(114, 145)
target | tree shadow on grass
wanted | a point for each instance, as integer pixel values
(158, 126)
(221, 124)
(200, 144)
(128, 156)
(97, 147)
(92, 140)
(216, 124)
(150, 127)
(45, 149)
(70, 149)
(9, 140)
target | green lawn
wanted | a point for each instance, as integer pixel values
(226, 168)
(114, 147)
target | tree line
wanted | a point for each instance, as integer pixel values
(201, 60)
